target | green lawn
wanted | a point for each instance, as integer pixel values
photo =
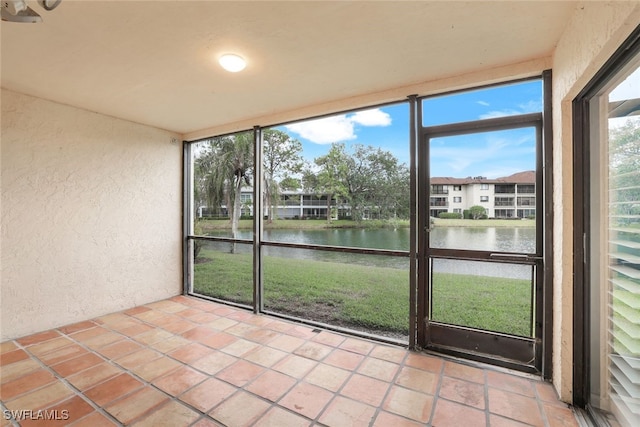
(438, 222)
(373, 298)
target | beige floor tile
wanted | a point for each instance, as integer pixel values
(464, 372)
(465, 392)
(511, 405)
(265, 356)
(313, 350)
(26, 383)
(424, 362)
(241, 409)
(240, 347)
(454, 414)
(417, 379)
(77, 364)
(208, 394)
(306, 399)
(286, 343)
(510, 383)
(409, 404)
(346, 412)
(240, 373)
(271, 385)
(214, 363)
(385, 419)
(94, 375)
(63, 413)
(113, 388)
(172, 414)
(156, 368)
(390, 354)
(179, 381)
(365, 389)
(328, 377)
(295, 366)
(137, 358)
(278, 417)
(380, 369)
(40, 398)
(357, 346)
(17, 369)
(136, 404)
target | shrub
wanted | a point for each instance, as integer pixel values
(478, 212)
(449, 215)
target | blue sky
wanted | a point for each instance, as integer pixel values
(492, 154)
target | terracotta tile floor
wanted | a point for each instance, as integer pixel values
(189, 362)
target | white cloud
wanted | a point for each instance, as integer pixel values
(339, 128)
(528, 107)
(326, 130)
(485, 103)
(375, 117)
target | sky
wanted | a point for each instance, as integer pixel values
(491, 155)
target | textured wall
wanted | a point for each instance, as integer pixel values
(91, 215)
(592, 36)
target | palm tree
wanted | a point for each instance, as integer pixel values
(224, 166)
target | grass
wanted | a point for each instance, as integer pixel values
(364, 297)
(438, 222)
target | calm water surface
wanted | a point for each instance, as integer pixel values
(495, 239)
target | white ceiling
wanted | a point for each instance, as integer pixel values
(154, 62)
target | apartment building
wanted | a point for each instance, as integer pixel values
(513, 196)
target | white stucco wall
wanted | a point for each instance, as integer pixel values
(593, 34)
(91, 215)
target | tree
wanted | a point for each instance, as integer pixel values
(477, 212)
(332, 176)
(281, 155)
(624, 163)
(368, 178)
(223, 167)
(290, 183)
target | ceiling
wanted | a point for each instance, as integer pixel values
(155, 62)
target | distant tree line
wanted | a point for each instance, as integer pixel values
(362, 178)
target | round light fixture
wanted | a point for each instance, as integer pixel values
(232, 63)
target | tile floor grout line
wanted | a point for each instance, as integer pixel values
(436, 395)
(166, 310)
(379, 409)
(487, 410)
(5, 411)
(243, 388)
(77, 391)
(352, 372)
(203, 414)
(540, 404)
(275, 403)
(128, 371)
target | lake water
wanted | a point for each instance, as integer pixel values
(494, 239)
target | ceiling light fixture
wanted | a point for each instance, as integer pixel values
(18, 11)
(232, 63)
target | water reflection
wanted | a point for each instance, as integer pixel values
(493, 239)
